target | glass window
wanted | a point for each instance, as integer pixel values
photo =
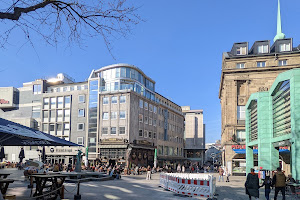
(51, 127)
(145, 134)
(67, 101)
(122, 99)
(154, 135)
(150, 121)
(81, 98)
(285, 47)
(52, 115)
(240, 65)
(37, 89)
(113, 130)
(117, 72)
(261, 64)
(45, 115)
(105, 116)
(59, 115)
(113, 115)
(67, 114)
(146, 120)
(45, 128)
(81, 113)
(71, 88)
(141, 117)
(146, 106)
(80, 126)
(114, 99)
(141, 103)
(58, 127)
(154, 122)
(140, 133)
(241, 51)
(282, 62)
(241, 113)
(122, 114)
(60, 102)
(240, 135)
(104, 130)
(36, 111)
(65, 89)
(263, 49)
(46, 103)
(78, 87)
(66, 127)
(80, 140)
(150, 107)
(154, 109)
(105, 100)
(150, 134)
(122, 130)
(53, 102)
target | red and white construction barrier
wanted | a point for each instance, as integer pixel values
(189, 184)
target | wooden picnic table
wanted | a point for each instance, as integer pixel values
(48, 185)
(4, 185)
(4, 175)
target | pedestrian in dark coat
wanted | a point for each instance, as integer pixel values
(252, 185)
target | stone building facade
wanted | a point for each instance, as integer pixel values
(245, 72)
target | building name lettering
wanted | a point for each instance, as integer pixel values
(244, 147)
(63, 150)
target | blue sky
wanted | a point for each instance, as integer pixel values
(179, 45)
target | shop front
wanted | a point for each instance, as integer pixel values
(64, 155)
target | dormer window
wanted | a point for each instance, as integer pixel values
(285, 47)
(240, 65)
(241, 51)
(263, 49)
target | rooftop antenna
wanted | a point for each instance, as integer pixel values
(279, 34)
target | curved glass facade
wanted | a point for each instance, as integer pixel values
(123, 78)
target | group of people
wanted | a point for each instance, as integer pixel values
(223, 173)
(279, 182)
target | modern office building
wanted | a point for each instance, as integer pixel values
(116, 114)
(246, 71)
(194, 136)
(272, 126)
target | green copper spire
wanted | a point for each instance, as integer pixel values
(279, 35)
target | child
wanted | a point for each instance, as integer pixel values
(267, 183)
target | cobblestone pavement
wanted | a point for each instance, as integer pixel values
(132, 188)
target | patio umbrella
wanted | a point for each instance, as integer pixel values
(2, 154)
(14, 134)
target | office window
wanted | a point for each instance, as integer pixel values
(78, 87)
(104, 130)
(114, 115)
(241, 51)
(113, 130)
(65, 89)
(150, 107)
(145, 134)
(154, 122)
(121, 130)
(81, 113)
(45, 128)
(51, 128)
(105, 116)
(66, 128)
(114, 100)
(261, 64)
(240, 65)
(80, 140)
(141, 118)
(59, 128)
(141, 103)
(122, 99)
(36, 111)
(46, 103)
(105, 100)
(80, 127)
(59, 115)
(71, 88)
(263, 49)
(146, 106)
(37, 89)
(154, 135)
(154, 109)
(150, 121)
(241, 113)
(66, 115)
(81, 98)
(45, 116)
(60, 102)
(67, 101)
(140, 133)
(285, 47)
(282, 62)
(146, 120)
(240, 135)
(52, 115)
(122, 114)
(53, 102)
(150, 134)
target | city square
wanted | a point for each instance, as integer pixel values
(125, 99)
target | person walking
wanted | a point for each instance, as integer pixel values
(178, 168)
(148, 177)
(279, 181)
(183, 169)
(267, 183)
(227, 174)
(252, 185)
(221, 174)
